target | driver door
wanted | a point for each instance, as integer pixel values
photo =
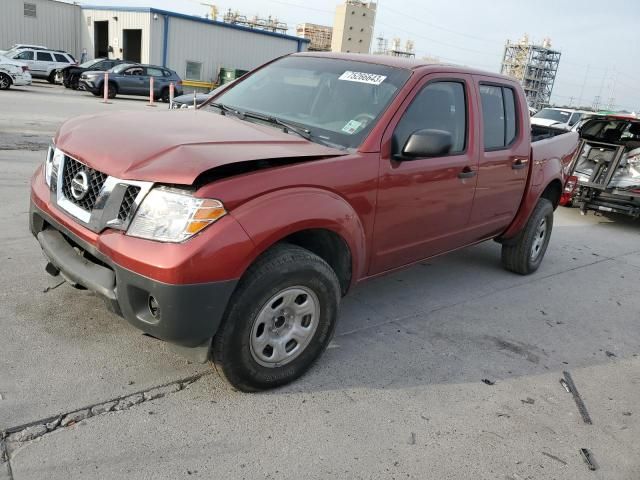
(131, 82)
(424, 204)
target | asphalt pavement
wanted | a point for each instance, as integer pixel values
(450, 369)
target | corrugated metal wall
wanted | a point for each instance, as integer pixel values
(118, 21)
(220, 47)
(55, 25)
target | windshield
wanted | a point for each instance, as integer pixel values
(336, 101)
(553, 114)
(90, 63)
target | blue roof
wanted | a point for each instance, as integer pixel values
(193, 18)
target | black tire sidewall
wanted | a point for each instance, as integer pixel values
(234, 356)
(543, 209)
(8, 82)
(111, 91)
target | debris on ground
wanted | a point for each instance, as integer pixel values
(528, 400)
(488, 382)
(565, 385)
(412, 439)
(557, 459)
(588, 458)
(609, 354)
(582, 408)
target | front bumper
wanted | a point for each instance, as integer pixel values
(188, 315)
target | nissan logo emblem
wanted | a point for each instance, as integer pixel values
(80, 185)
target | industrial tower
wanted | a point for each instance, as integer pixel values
(535, 66)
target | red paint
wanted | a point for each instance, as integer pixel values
(389, 213)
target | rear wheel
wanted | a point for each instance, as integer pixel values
(279, 320)
(5, 81)
(52, 77)
(524, 254)
(74, 82)
(164, 95)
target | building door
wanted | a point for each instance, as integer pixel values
(132, 45)
(101, 39)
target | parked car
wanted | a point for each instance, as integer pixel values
(558, 117)
(605, 173)
(43, 63)
(20, 46)
(13, 72)
(133, 79)
(69, 76)
(233, 233)
(189, 100)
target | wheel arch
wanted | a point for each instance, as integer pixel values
(318, 220)
(552, 192)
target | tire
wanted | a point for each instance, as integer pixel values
(52, 78)
(74, 82)
(97, 93)
(112, 90)
(524, 255)
(164, 95)
(287, 289)
(5, 81)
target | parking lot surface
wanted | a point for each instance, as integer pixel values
(398, 394)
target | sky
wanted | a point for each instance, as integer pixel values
(598, 39)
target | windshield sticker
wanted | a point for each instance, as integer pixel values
(351, 127)
(362, 77)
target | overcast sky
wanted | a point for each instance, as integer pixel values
(598, 39)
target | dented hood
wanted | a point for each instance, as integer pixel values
(175, 146)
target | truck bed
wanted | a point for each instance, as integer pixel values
(549, 144)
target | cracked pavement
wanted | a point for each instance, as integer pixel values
(399, 393)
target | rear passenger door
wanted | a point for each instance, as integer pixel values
(131, 81)
(424, 204)
(159, 80)
(503, 159)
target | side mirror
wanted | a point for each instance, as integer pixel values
(426, 143)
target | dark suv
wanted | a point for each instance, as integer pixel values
(70, 76)
(132, 79)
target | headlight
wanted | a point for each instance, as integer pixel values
(52, 164)
(173, 215)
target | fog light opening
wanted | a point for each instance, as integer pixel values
(154, 307)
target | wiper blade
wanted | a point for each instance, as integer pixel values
(303, 132)
(224, 108)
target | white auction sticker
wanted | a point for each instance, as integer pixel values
(362, 77)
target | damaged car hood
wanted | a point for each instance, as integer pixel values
(176, 146)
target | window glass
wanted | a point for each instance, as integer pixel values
(439, 106)
(61, 58)
(134, 71)
(492, 116)
(30, 10)
(510, 115)
(194, 71)
(24, 56)
(44, 57)
(155, 72)
(574, 119)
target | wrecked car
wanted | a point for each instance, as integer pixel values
(605, 173)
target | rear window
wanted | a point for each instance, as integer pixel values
(44, 57)
(155, 72)
(499, 116)
(61, 58)
(24, 56)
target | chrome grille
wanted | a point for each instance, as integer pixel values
(127, 202)
(96, 181)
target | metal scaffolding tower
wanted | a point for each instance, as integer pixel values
(535, 66)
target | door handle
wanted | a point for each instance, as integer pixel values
(520, 163)
(467, 173)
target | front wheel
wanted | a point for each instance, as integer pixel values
(524, 255)
(279, 320)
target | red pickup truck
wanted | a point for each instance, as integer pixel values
(233, 231)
